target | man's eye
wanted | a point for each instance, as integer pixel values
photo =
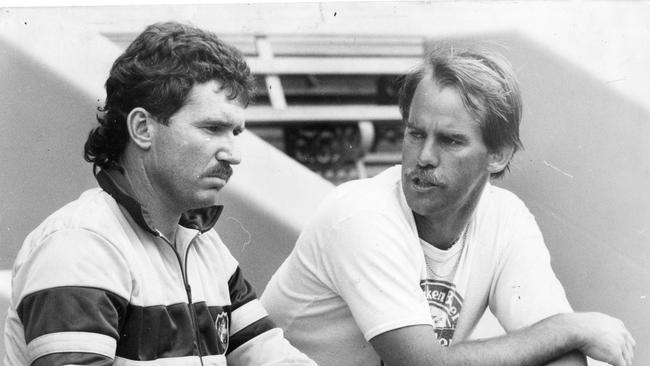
(415, 133)
(213, 129)
(451, 141)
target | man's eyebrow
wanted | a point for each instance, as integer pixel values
(411, 124)
(455, 134)
(220, 122)
(215, 122)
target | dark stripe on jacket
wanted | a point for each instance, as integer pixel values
(250, 332)
(71, 308)
(241, 290)
(142, 333)
(154, 332)
(60, 359)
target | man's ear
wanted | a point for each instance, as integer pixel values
(140, 125)
(499, 159)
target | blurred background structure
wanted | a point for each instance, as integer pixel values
(326, 113)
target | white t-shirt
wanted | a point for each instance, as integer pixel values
(359, 270)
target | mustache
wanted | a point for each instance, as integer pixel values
(424, 174)
(223, 171)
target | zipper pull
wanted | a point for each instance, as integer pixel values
(188, 288)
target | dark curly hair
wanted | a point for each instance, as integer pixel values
(487, 85)
(157, 72)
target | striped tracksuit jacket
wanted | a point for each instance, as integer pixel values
(94, 284)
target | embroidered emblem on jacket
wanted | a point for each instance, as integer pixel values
(221, 324)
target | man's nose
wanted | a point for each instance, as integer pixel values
(429, 154)
(229, 151)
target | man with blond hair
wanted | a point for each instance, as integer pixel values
(400, 267)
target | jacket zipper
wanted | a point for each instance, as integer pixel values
(188, 292)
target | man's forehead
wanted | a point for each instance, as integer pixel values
(209, 102)
(431, 98)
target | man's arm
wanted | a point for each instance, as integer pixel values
(371, 270)
(575, 358)
(254, 338)
(69, 300)
(526, 289)
(597, 335)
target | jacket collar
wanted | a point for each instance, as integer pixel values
(114, 183)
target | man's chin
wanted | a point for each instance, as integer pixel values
(420, 205)
(207, 198)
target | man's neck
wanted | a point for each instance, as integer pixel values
(443, 229)
(440, 232)
(161, 214)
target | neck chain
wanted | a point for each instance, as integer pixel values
(459, 241)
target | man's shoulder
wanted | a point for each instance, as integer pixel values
(501, 215)
(377, 192)
(79, 229)
(91, 211)
(368, 206)
(501, 200)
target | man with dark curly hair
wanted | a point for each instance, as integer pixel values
(132, 273)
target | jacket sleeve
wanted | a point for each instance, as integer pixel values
(68, 299)
(254, 338)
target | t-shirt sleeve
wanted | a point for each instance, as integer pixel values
(69, 301)
(370, 264)
(526, 289)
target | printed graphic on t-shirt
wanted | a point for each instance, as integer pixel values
(445, 305)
